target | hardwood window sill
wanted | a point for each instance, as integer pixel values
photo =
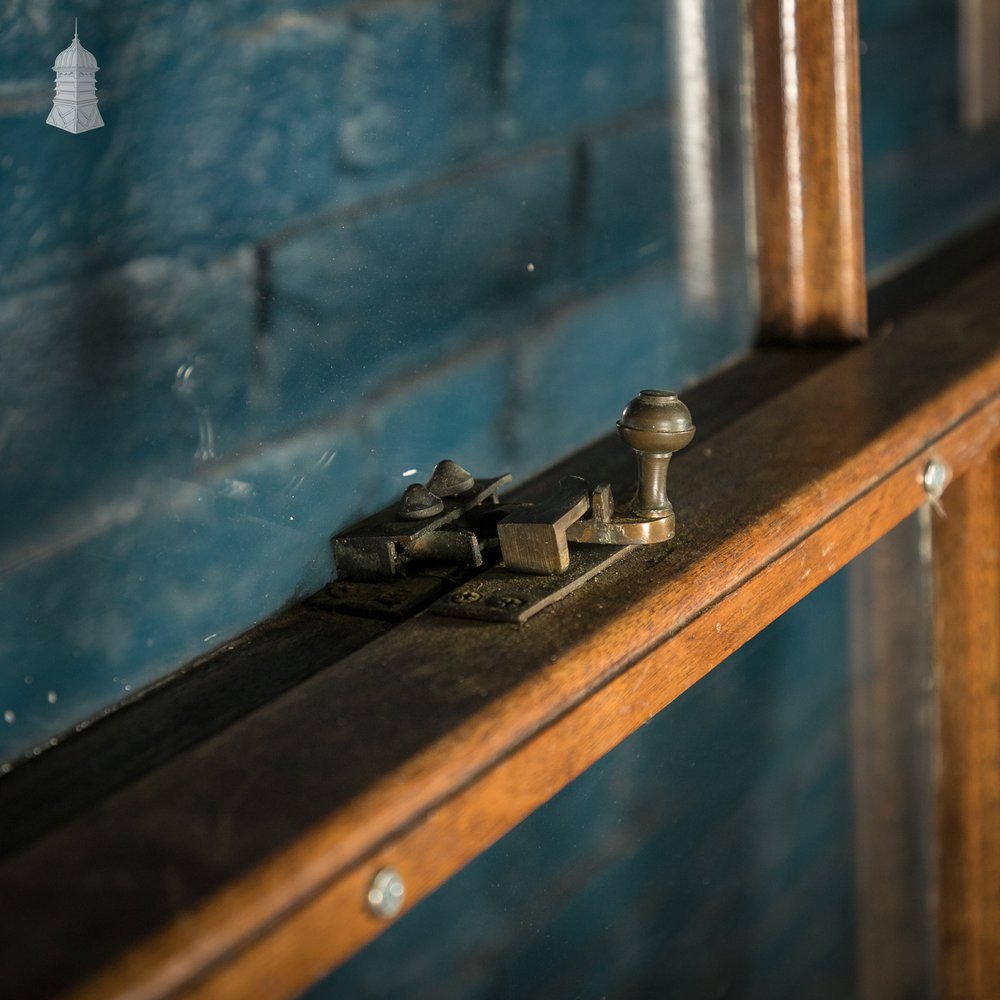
(240, 866)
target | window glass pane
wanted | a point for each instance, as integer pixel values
(930, 172)
(312, 250)
(723, 850)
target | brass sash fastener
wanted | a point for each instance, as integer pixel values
(456, 525)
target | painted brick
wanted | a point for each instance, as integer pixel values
(417, 85)
(925, 178)
(28, 31)
(316, 482)
(900, 108)
(283, 112)
(368, 297)
(215, 134)
(45, 186)
(643, 336)
(30, 28)
(455, 410)
(201, 558)
(575, 62)
(630, 209)
(878, 15)
(253, 148)
(89, 374)
(919, 197)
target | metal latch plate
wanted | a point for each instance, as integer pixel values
(380, 547)
(499, 595)
(391, 600)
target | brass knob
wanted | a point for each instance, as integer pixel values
(655, 425)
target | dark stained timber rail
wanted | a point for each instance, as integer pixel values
(209, 694)
(239, 866)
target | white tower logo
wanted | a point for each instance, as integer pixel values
(74, 107)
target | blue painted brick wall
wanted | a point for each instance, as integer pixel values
(332, 200)
(884, 15)
(620, 232)
(374, 235)
(90, 375)
(411, 70)
(898, 113)
(369, 294)
(926, 178)
(336, 243)
(570, 63)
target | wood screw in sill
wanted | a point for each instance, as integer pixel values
(937, 475)
(419, 503)
(387, 892)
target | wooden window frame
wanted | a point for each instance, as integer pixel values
(239, 864)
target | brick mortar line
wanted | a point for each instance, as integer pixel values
(145, 497)
(484, 167)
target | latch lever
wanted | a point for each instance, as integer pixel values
(533, 538)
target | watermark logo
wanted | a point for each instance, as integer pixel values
(74, 107)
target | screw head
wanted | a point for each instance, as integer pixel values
(504, 601)
(419, 503)
(386, 894)
(937, 475)
(449, 479)
(466, 597)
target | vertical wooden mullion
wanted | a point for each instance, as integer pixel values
(807, 166)
(967, 653)
(979, 68)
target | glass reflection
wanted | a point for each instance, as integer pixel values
(931, 145)
(312, 251)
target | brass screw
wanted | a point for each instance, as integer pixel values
(419, 503)
(449, 479)
(466, 597)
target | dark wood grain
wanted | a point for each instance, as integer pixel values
(185, 708)
(807, 157)
(967, 591)
(243, 861)
(305, 940)
(212, 692)
(909, 286)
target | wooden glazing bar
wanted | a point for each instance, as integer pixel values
(807, 160)
(979, 68)
(967, 602)
(317, 936)
(240, 866)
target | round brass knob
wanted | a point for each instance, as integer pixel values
(655, 425)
